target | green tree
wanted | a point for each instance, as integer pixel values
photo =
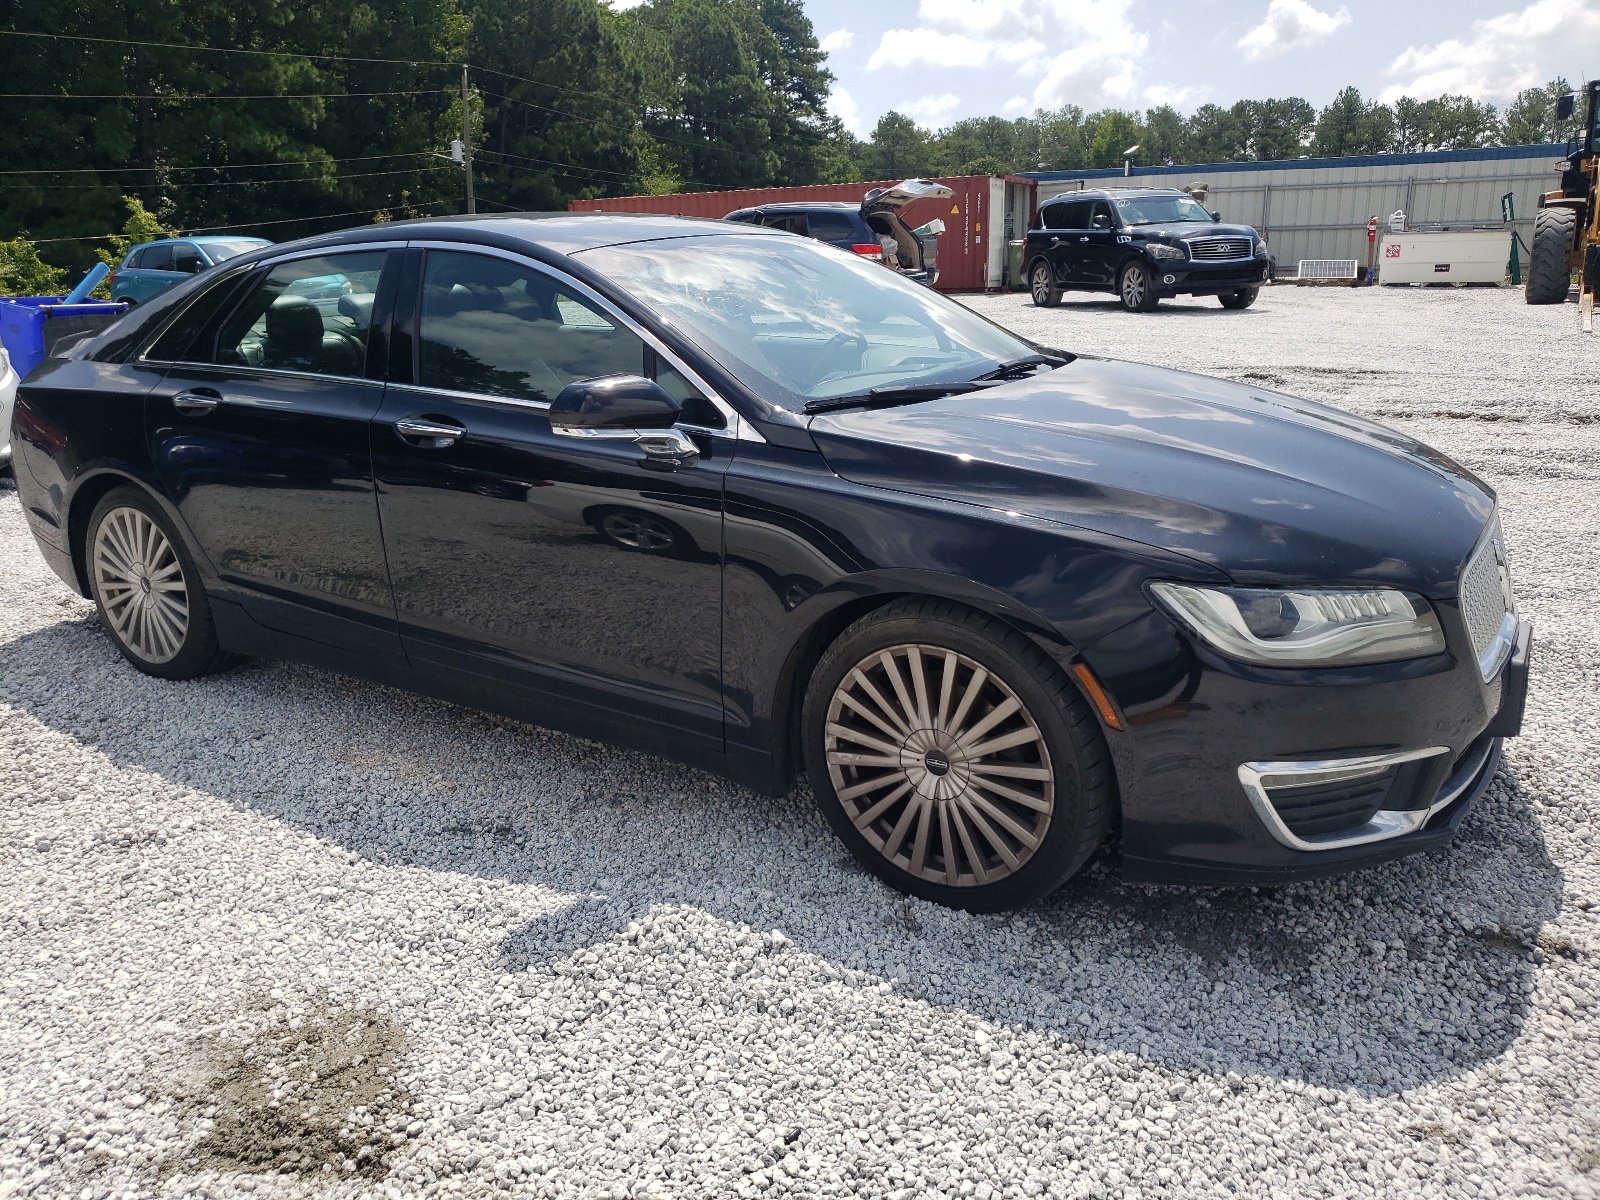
(1531, 117)
(1114, 132)
(899, 149)
(23, 274)
(1062, 139)
(1350, 125)
(1166, 136)
(1443, 123)
(1218, 134)
(1278, 129)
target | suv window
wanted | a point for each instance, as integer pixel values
(1074, 214)
(308, 314)
(500, 328)
(1100, 216)
(789, 224)
(834, 227)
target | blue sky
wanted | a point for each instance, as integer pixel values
(941, 60)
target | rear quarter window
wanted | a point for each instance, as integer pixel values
(835, 227)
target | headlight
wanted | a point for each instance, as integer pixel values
(1159, 250)
(1261, 245)
(1282, 628)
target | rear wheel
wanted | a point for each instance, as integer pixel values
(147, 590)
(1136, 290)
(953, 758)
(1042, 282)
(1243, 298)
(1550, 259)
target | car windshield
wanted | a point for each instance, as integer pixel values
(222, 251)
(797, 320)
(1161, 210)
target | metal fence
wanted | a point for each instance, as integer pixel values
(1318, 207)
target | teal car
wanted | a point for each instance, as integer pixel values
(150, 268)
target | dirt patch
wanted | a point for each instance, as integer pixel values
(313, 1093)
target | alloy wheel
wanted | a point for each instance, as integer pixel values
(139, 579)
(939, 765)
(1041, 285)
(1134, 287)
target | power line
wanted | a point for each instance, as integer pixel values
(299, 162)
(421, 170)
(70, 37)
(209, 96)
(364, 212)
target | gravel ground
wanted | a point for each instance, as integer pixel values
(280, 933)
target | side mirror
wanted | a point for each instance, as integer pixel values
(1102, 222)
(1215, 215)
(614, 402)
(1566, 106)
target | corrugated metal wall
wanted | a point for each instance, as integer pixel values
(970, 254)
(1318, 208)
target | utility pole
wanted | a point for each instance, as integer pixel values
(466, 138)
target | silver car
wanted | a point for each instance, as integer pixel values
(8, 400)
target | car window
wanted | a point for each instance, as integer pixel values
(155, 258)
(1100, 216)
(222, 251)
(797, 319)
(308, 314)
(175, 344)
(1162, 210)
(834, 227)
(501, 328)
(789, 224)
(186, 258)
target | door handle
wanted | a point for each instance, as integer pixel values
(667, 449)
(196, 403)
(1083, 239)
(434, 435)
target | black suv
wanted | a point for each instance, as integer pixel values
(1142, 244)
(872, 229)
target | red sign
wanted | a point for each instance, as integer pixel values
(1392, 250)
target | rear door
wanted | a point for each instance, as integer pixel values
(839, 229)
(259, 436)
(1066, 229)
(147, 274)
(1098, 250)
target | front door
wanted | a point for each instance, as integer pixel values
(563, 566)
(1098, 248)
(260, 437)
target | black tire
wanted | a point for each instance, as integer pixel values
(1243, 298)
(1550, 259)
(196, 649)
(1042, 283)
(1069, 797)
(1136, 289)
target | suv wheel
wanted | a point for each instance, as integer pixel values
(954, 759)
(1136, 290)
(147, 590)
(1042, 281)
(1243, 298)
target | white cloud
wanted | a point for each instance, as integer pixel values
(1017, 106)
(1084, 52)
(930, 111)
(1178, 97)
(1291, 25)
(842, 105)
(839, 39)
(1500, 56)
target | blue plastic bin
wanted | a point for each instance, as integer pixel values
(31, 325)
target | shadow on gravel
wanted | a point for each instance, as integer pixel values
(1382, 980)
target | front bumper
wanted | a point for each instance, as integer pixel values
(1174, 278)
(1239, 776)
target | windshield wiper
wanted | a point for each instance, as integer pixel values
(1008, 370)
(893, 393)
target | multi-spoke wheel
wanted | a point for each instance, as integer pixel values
(954, 758)
(1136, 289)
(635, 530)
(146, 589)
(1042, 283)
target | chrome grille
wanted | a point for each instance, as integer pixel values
(1486, 600)
(1218, 249)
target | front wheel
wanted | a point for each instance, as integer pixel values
(1550, 256)
(1243, 298)
(147, 590)
(1136, 290)
(954, 759)
(1046, 294)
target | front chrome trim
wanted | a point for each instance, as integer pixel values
(736, 428)
(1259, 777)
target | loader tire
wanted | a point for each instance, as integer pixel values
(1550, 259)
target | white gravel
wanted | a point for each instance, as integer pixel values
(281, 933)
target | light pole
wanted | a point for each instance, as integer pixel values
(1127, 160)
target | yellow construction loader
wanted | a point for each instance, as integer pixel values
(1566, 230)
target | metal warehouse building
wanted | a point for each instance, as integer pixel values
(1318, 207)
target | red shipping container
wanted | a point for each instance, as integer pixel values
(983, 213)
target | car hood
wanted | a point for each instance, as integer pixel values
(1261, 486)
(1187, 230)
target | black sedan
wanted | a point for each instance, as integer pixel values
(748, 501)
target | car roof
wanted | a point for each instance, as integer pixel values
(1113, 193)
(560, 232)
(807, 206)
(201, 240)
